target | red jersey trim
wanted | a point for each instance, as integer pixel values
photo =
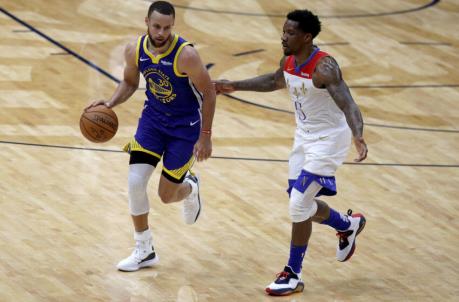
(307, 70)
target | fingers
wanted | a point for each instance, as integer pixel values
(223, 86)
(218, 89)
(201, 153)
(362, 149)
(196, 152)
(88, 106)
(362, 154)
(95, 103)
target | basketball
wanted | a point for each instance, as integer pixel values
(99, 124)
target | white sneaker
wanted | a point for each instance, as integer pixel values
(286, 283)
(192, 203)
(346, 243)
(143, 255)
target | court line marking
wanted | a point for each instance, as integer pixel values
(248, 52)
(60, 45)
(234, 158)
(425, 43)
(366, 124)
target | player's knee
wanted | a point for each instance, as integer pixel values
(137, 190)
(301, 207)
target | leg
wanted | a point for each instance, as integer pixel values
(170, 191)
(328, 216)
(140, 222)
(177, 182)
(323, 211)
(141, 166)
(301, 232)
(188, 191)
(302, 208)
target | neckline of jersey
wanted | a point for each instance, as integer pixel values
(154, 58)
(298, 68)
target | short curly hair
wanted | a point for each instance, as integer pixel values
(307, 21)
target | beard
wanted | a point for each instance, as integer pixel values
(156, 44)
(287, 52)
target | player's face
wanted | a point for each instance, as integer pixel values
(159, 28)
(293, 39)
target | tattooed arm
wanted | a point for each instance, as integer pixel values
(264, 83)
(328, 75)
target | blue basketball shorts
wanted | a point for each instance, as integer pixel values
(174, 145)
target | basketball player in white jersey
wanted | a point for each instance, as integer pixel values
(327, 120)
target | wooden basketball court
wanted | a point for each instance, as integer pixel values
(64, 220)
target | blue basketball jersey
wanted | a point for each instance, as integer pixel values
(172, 99)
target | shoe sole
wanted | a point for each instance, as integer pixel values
(199, 201)
(299, 288)
(362, 223)
(145, 264)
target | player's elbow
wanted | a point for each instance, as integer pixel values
(132, 85)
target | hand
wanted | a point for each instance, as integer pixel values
(97, 103)
(223, 86)
(361, 147)
(203, 147)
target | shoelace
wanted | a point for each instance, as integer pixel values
(282, 274)
(137, 251)
(343, 235)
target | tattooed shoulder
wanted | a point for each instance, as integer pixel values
(327, 70)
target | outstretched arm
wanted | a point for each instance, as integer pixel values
(328, 75)
(264, 83)
(130, 83)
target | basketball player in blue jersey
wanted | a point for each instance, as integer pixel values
(326, 117)
(175, 124)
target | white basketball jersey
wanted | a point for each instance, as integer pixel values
(315, 111)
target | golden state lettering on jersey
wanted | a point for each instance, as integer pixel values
(159, 85)
(172, 99)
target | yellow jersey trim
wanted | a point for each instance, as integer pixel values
(178, 173)
(176, 71)
(156, 59)
(137, 50)
(133, 145)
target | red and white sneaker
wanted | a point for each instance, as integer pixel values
(346, 243)
(286, 283)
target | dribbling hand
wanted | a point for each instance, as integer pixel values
(97, 103)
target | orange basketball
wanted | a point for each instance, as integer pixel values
(98, 124)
